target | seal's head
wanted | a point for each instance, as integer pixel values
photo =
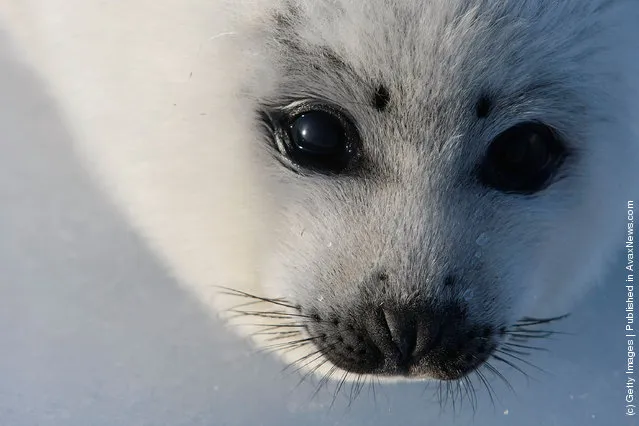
(435, 173)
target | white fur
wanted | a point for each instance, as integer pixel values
(163, 96)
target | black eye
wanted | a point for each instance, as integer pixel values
(319, 138)
(523, 159)
(317, 133)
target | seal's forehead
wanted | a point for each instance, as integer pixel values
(394, 40)
(428, 54)
(453, 43)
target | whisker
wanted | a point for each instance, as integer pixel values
(321, 353)
(372, 388)
(238, 293)
(542, 333)
(245, 304)
(298, 363)
(358, 386)
(513, 365)
(323, 381)
(269, 327)
(310, 373)
(488, 387)
(277, 335)
(472, 394)
(339, 388)
(516, 351)
(536, 321)
(520, 359)
(519, 336)
(284, 345)
(532, 348)
(454, 386)
(269, 314)
(497, 373)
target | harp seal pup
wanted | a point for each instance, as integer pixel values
(387, 188)
(442, 175)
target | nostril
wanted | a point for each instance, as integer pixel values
(403, 332)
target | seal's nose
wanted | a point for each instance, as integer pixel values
(403, 333)
(394, 332)
(405, 341)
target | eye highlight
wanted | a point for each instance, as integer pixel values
(523, 159)
(318, 138)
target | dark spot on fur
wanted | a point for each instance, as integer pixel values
(483, 106)
(381, 98)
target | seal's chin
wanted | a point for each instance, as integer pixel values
(309, 361)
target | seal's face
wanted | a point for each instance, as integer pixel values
(441, 170)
